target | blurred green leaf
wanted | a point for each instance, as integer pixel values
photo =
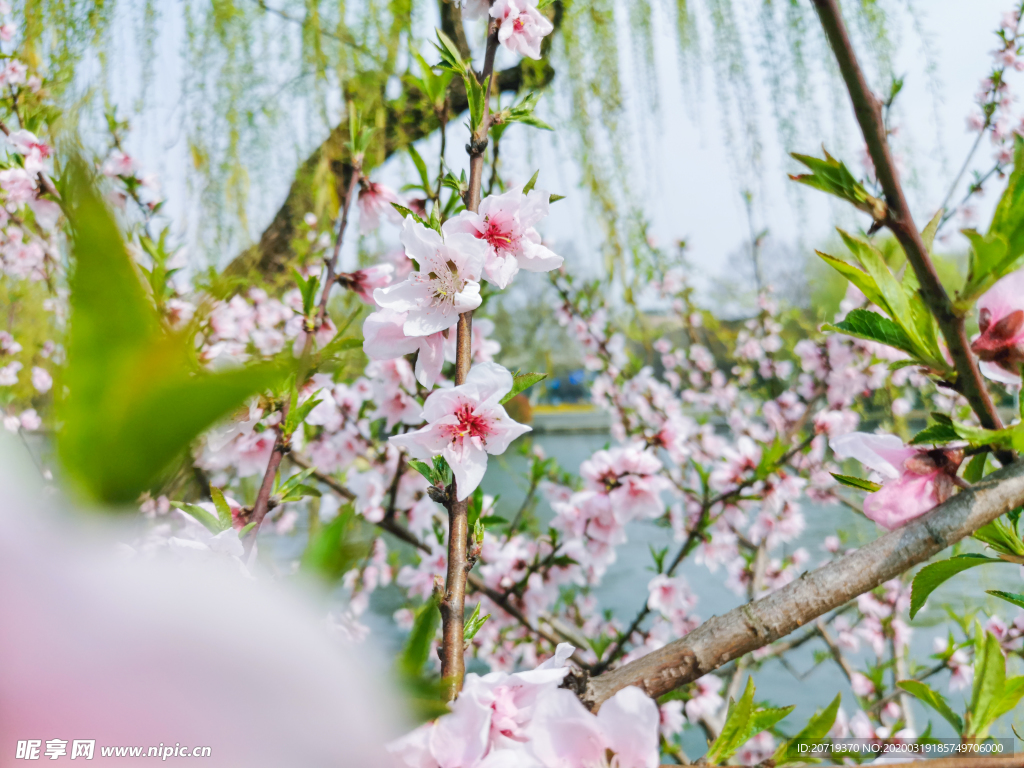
(935, 700)
(212, 524)
(856, 482)
(935, 434)
(832, 176)
(136, 398)
(1009, 597)
(333, 549)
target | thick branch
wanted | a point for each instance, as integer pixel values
(868, 110)
(754, 625)
(406, 120)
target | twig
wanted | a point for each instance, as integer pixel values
(868, 110)
(755, 625)
(282, 441)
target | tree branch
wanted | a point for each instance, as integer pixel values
(754, 625)
(899, 220)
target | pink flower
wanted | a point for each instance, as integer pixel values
(629, 475)
(375, 200)
(505, 222)
(565, 734)
(363, 282)
(41, 379)
(446, 284)
(861, 685)
(706, 701)
(915, 481)
(14, 73)
(28, 146)
(1001, 320)
(464, 424)
(19, 185)
(384, 339)
(118, 164)
(491, 716)
(7, 31)
(522, 26)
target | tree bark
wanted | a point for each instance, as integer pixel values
(754, 625)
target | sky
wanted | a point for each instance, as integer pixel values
(687, 177)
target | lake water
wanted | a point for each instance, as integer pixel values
(624, 590)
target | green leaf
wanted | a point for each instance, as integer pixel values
(473, 624)
(736, 724)
(417, 647)
(528, 188)
(223, 509)
(1013, 692)
(211, 523)
(864, 282)
(865, 324)
(934, 700)
(929, 578)
(1002, 537)
(832, 176)
(522, 382)
(1008, 218)
(856, 482)
(136, 398)
(928, 233)
(424, 469)
(897, 304)
(1009, 597)
(975, 469)
(421, 167)
(762, 720)
(555, 198)
(244, 530)
(935, 434)
(989, 684)
(450, 57)
(333, 549)
(817, 728)
(406, 213)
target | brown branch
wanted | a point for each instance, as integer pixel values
(899, 220)
(282, 443)
(453, 604)
(400, 532)
(406, 119)
(754, 625)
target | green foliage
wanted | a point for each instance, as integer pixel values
(872, 326)
(933, 699)
(935, 434)
(334, 548)
(136, 397)
(832, 176)
(910, 328)
(522, 382)
(437, 473)
(474, 623)
(1010, 597)
(1001, 250)
(422, 691)
(817, 728)
(929, 578)
(992, 695)
(856, 482)
(743, 721)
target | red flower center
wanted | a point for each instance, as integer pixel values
(470, 424)
(499, 239)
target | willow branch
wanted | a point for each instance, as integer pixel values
(754, 625)
(868, 110)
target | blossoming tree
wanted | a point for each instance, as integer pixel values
(721, 434)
